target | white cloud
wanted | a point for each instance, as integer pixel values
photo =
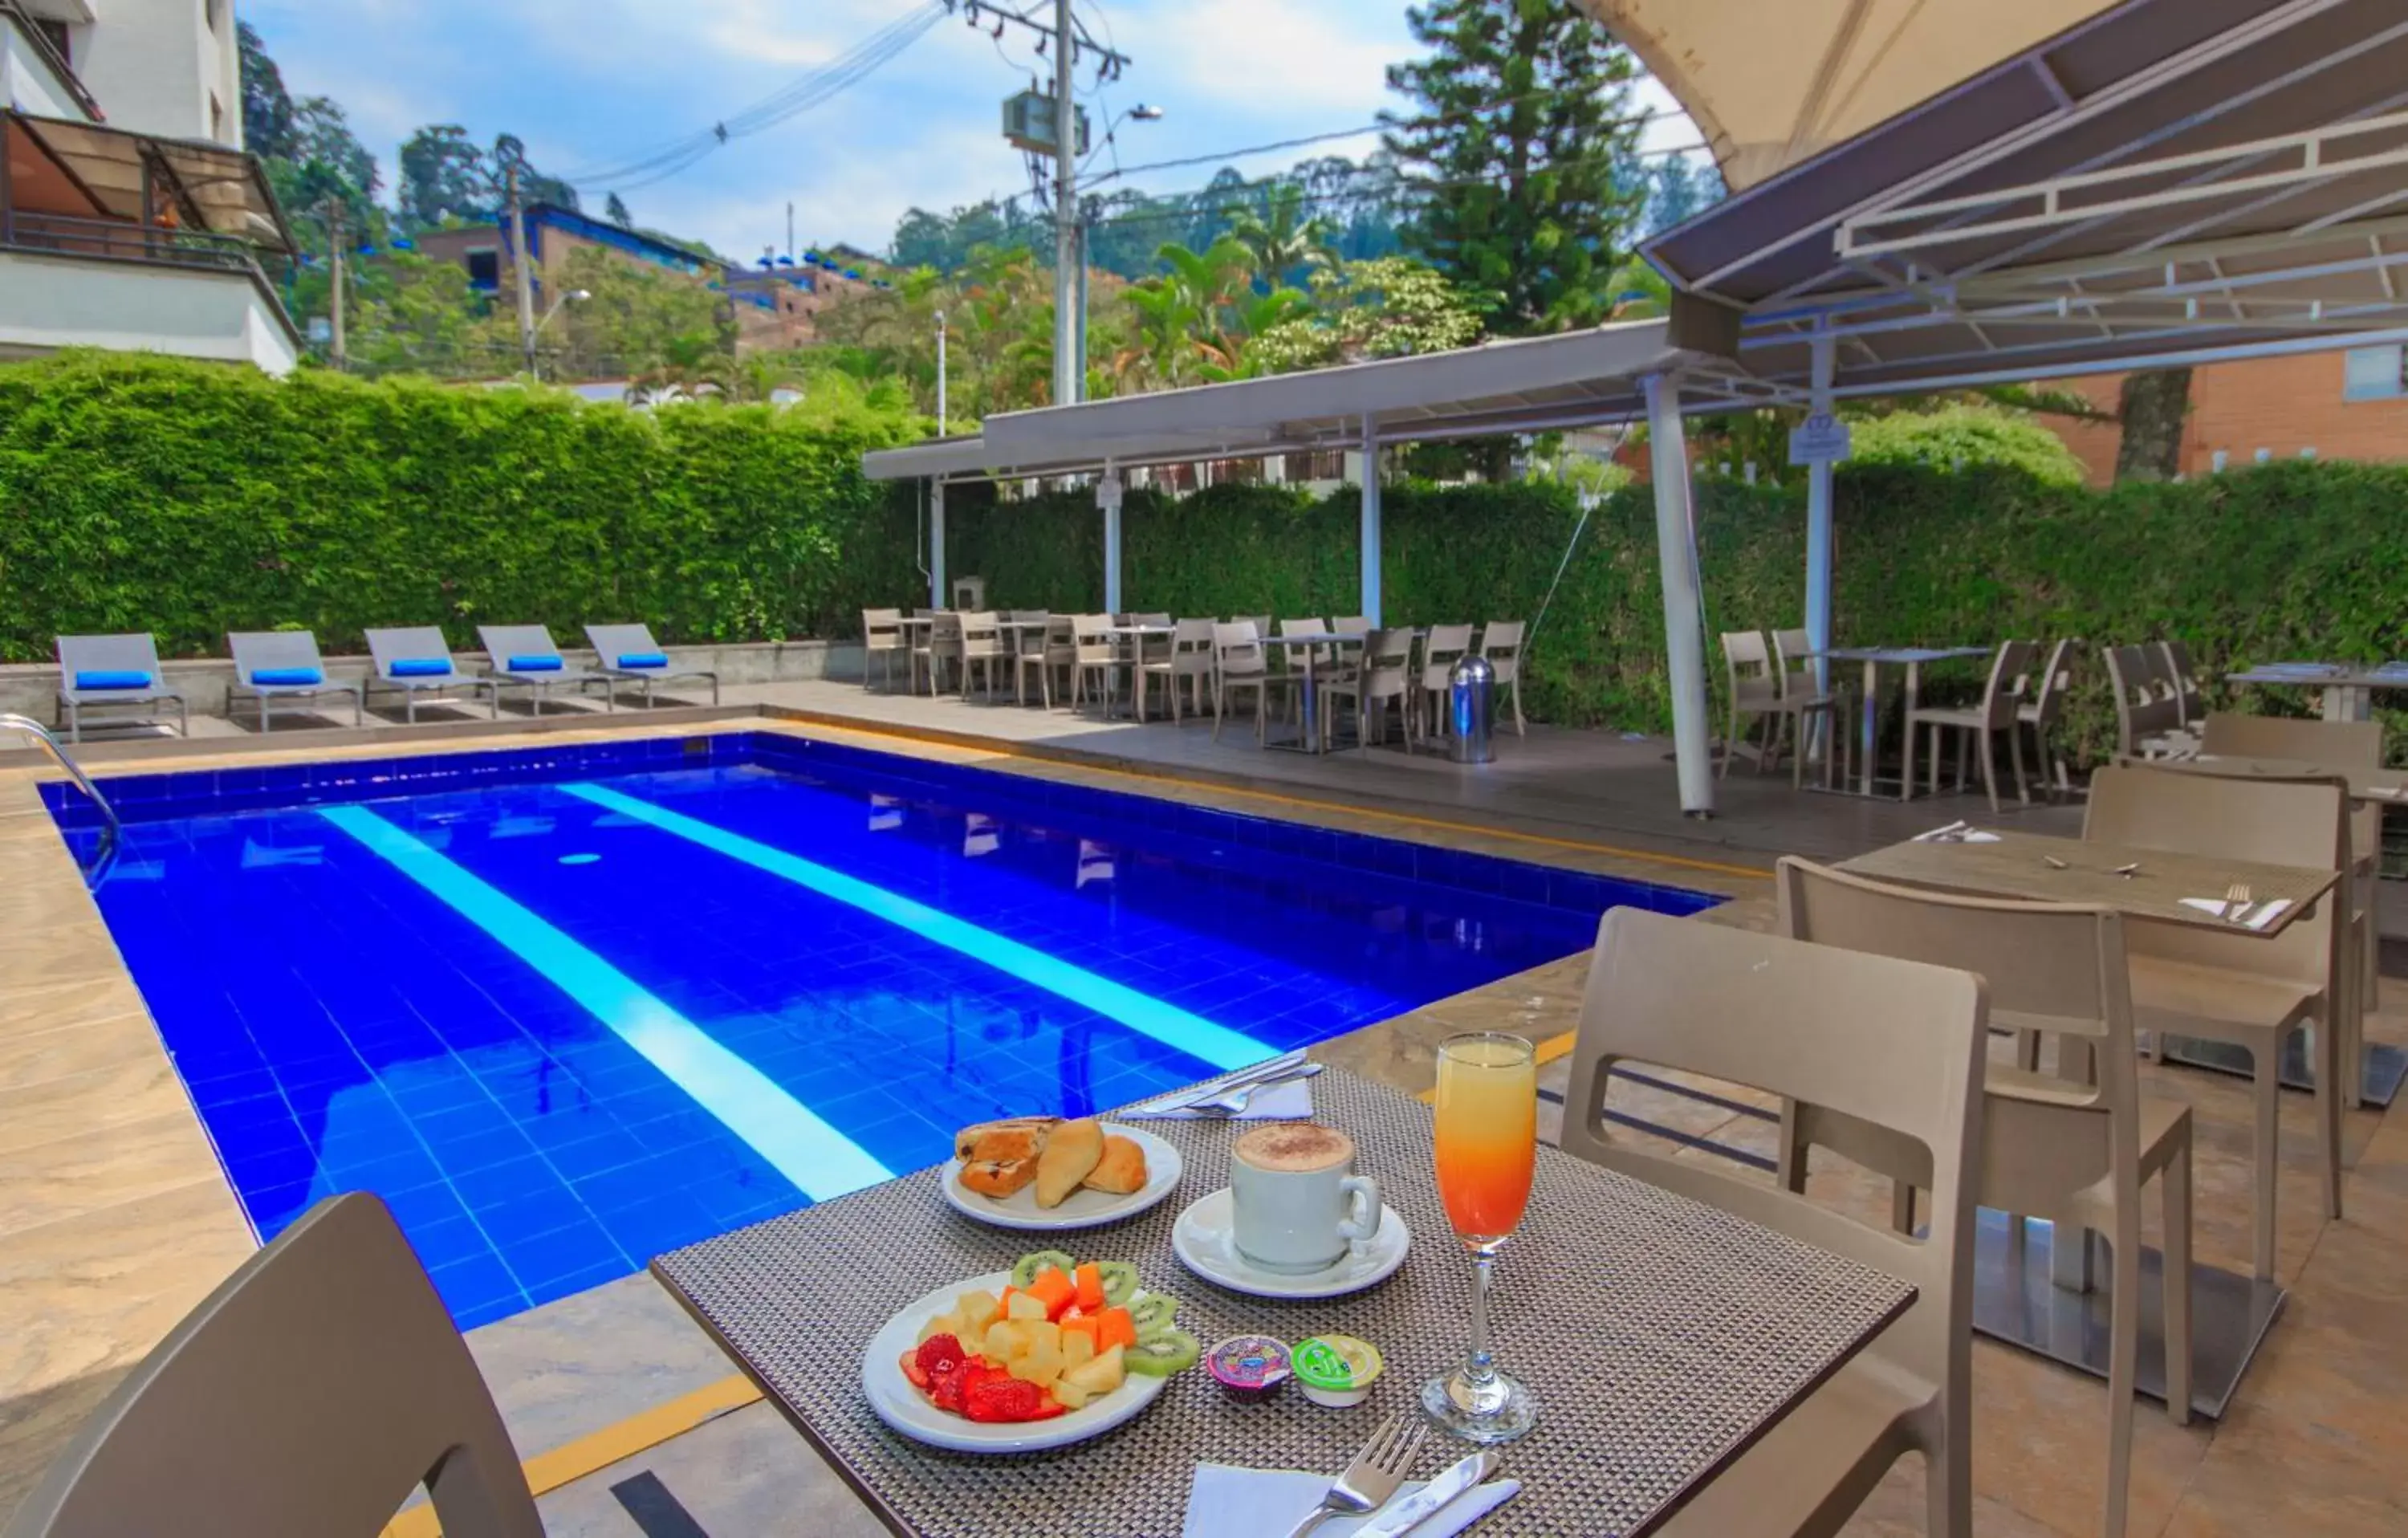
(1275, 56)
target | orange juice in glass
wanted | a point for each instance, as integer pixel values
(1486, 1135)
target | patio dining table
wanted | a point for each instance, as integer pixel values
(2349, 687)
(1661, 1337)
(1874, 659)
(1300, 651)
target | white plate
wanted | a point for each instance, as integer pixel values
(1202, 1238)
(907, 1411)
(1080, 1208)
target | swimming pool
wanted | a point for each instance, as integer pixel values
(566, 1009)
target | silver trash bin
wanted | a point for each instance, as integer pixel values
(1470, 686)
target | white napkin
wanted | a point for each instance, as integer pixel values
(2258, 920)
(1227, 1503)
(1956, 833)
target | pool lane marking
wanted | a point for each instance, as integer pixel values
(1141, 1012)
(821, 1161)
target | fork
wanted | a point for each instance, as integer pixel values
(1233, 1103)
(2236, 901)
(1374, 1476)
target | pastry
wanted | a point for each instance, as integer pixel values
(997, 1178)
(1071, 1154)
(1032, 1128)
(1121, 1170)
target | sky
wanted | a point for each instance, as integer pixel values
(592, 85)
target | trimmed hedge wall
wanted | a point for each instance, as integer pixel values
(190, 499)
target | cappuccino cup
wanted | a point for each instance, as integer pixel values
(1297, 1203)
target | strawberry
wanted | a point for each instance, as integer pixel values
(1007, 1399)
(912, 1370)
(945, 1388)
(939, 1352)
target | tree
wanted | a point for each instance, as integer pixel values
(1283, 239)
(2152, 406)
(267, 108)
(444, 179)
(616, 212)
(1523, 124)
(1678, 192)
(1387, 307)
(636, 319)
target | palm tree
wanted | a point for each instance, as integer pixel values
(687, 368)
(1282, 238)
(1229, 355)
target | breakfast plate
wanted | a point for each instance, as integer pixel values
(1080, 1208)
(1205, 1239)
(903, 1407)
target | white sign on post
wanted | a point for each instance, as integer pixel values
(1822, 439)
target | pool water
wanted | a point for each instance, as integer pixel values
(565, 1010)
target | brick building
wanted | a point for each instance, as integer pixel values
(2347, 405)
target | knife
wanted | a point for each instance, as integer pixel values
(1179, 1099)
(1426, 1503)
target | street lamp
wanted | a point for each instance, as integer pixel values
(574, 296)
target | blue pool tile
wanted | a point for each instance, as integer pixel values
(476, 1287)
(540, 1260)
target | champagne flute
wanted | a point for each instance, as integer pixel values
(1487, 1147)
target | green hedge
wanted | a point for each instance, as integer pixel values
(188, 499)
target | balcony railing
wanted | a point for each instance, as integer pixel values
(40, 43)
(117, 242)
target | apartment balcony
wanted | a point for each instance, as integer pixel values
(131, 242)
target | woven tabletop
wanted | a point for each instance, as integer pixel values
(1660, 1336)
(2016, 866)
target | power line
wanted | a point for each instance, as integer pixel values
(1640, 121)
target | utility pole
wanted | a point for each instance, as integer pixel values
(522, 262)
(1069, 368)
(335, 249)
(790, 232)
(941, 373)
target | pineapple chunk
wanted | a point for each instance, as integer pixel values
(1101, 1375)
(1024, 1307)
(1068, 1395)
(978, 1310)
(946, 1324)
(1043, 1334)
(1040, 1364)
(1077, 1349)
(1004, 1341)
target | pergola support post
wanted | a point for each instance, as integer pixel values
(1676, 545)
(1108, 496)
(1818, 533)
(1371, 595)
(937, 598)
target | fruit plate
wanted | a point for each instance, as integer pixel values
(1080, 1208)
(907, 1411)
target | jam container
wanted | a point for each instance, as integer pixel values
(1248, 1368)
(1337, 1370)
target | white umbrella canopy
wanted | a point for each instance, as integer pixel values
(1773, 82)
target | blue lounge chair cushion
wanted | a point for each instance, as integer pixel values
(533, 665)
(112, 677)
(421, 667)
(277, 678)
(643, 659)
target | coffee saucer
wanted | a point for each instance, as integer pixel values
(1204, 1241)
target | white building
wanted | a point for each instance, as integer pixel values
(130, 217)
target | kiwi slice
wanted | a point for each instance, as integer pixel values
(1036, 1263)
(1153, 1313)
(1159, 1355)
(1120, 1282)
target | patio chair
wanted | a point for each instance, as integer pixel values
(627, 654)
(1385, 674)
(1097, 662)
(271, 665)
(1441, 648)
(1758, 693)
(2253, 991)
(1237, 667)
(2334, 744)
(1189, 661)
(984, 649)
(2172, 659)
(1896, 1045)
(415, 661)
(2148, 724)
(2039, 701)
(882, 636)
(310, 1393)
(522, 657)
(2075, 1147)
(1044, 651)
(1978, 724)
(1353, 624)
(116, 673)
(1794, 667)
(1500, 642)
(934, 645)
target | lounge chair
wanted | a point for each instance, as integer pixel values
(115, 671)
(523, 655)
(627, 654)
(416, 662)
(271, 665)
